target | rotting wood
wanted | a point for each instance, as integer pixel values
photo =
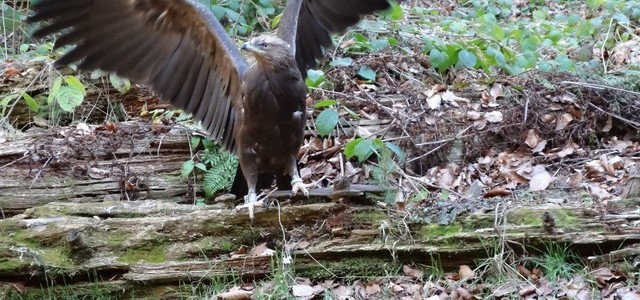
(147, 245)
(75, 165)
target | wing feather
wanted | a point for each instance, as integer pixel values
(177, 47)
(310, 23)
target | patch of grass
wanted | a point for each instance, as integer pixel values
(558, 261)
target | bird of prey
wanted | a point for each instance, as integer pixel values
(183, 53)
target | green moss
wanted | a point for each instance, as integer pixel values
(351, 267)
(525, 216)
(56, 256)
(153, 255)
(11, 265)
(212, 244)
(533, 217)
(369, 216)
(431, 231)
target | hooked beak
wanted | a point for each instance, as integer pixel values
(245, 46)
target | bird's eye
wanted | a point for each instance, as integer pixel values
(265, 45)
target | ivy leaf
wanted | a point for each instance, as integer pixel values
(367, 73)
(438, 59)
(342, 62)
(467, 58)
(53, 91)
(123, 85)
(350, 147)
(314, 78)
(195, 141)
(364, 149)
(326, 121)
(396, 150)
(71, 95)
(325, 103)
(187, 168)
(396, 12)
(201, 166)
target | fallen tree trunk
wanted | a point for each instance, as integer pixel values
(92, 164)
(148, 246)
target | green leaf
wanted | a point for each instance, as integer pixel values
(396, 150)
(379, 44)
(438, 59)
(327, 121)
(467, 59)
(53, 91)
(325, 103)
(350, 147)
(314, 78)
(201, 166)
(208, 144)
(342, 62)
(276, 21)
(367, 73)
(396, 11)
(33, 105)
(75, 83)
(364, 149)
(187, 168)
(195, 142)
(68, 98)
(121, 84)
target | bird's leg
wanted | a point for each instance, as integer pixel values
(296, 181)
(251, 199)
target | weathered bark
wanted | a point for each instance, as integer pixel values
(71, 164)
(145, 244)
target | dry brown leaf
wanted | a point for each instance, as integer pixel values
(497, 191)
(434, 102)
(608, 125)
(598, 192)
(411, 272)
(466, 273)
(341, 292)
(303, 291)
(563, 121)
(235, 295)
(540, 181)
(567, 150)
(494, 117)
(497, 90)
(604, 162)
(464, 293)
(473, 115)
(539, 147)
(522, 270)
(261, 249)
(372, 289)
(575, 180)
(532, 139)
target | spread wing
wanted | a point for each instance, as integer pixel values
(307, 25)
(177, 47)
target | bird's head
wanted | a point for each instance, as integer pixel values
(268, 48)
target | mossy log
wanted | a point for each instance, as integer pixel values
(149, 246)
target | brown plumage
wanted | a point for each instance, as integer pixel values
(183, 53)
